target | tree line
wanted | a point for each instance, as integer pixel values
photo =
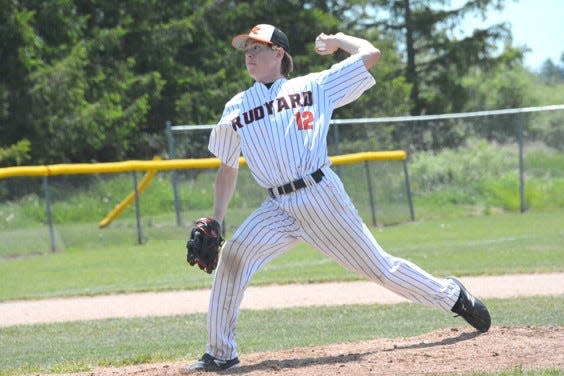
(96, 80)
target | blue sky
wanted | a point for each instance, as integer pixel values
(538, 24)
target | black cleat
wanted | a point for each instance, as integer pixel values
(471, 309)
(209, 363)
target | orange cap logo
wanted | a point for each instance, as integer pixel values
(255, 30)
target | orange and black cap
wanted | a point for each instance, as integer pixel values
(263, 33)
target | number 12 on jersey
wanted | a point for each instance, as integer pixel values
(304, 120)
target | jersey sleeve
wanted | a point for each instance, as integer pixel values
(224, 141)
(345, 81)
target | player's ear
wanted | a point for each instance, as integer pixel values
(280, 52)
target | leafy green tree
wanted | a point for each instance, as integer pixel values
(552, 73)
(19, 56)
(513, 88)
(15, 154)
(86, 112)
(436, 55)
(97, 80)
(90, 80)
(218, 72)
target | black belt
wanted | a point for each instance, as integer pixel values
(295, 185)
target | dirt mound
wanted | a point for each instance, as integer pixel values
(447, 351)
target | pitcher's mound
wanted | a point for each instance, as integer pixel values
(447, 351)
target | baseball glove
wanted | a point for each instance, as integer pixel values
(204, 244)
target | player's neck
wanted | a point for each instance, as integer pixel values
(268, 82)
(269, 78)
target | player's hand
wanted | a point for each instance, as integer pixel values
(326, 44)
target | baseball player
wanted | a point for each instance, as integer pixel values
(280, 126)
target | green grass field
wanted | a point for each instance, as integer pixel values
(495, 244)
(116, 342)
(468, 223)
(105, 263)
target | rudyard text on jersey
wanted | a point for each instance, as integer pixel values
(286, 102)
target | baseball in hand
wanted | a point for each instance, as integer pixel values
(320, 45)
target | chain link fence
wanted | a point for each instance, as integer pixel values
(509, 160)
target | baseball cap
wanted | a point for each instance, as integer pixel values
(263, 33)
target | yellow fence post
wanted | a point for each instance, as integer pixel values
(130, 198)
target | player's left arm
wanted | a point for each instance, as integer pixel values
(327, 44)
(225, 182)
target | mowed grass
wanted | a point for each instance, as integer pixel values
(496, 244)
(116, 342)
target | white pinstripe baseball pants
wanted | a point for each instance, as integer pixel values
(323, 216)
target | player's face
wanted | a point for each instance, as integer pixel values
(262, 61)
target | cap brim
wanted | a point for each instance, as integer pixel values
(240, 41)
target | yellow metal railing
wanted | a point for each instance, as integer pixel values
(174, 164)
(152, 167)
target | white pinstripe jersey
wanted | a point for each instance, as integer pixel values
(282, 130)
